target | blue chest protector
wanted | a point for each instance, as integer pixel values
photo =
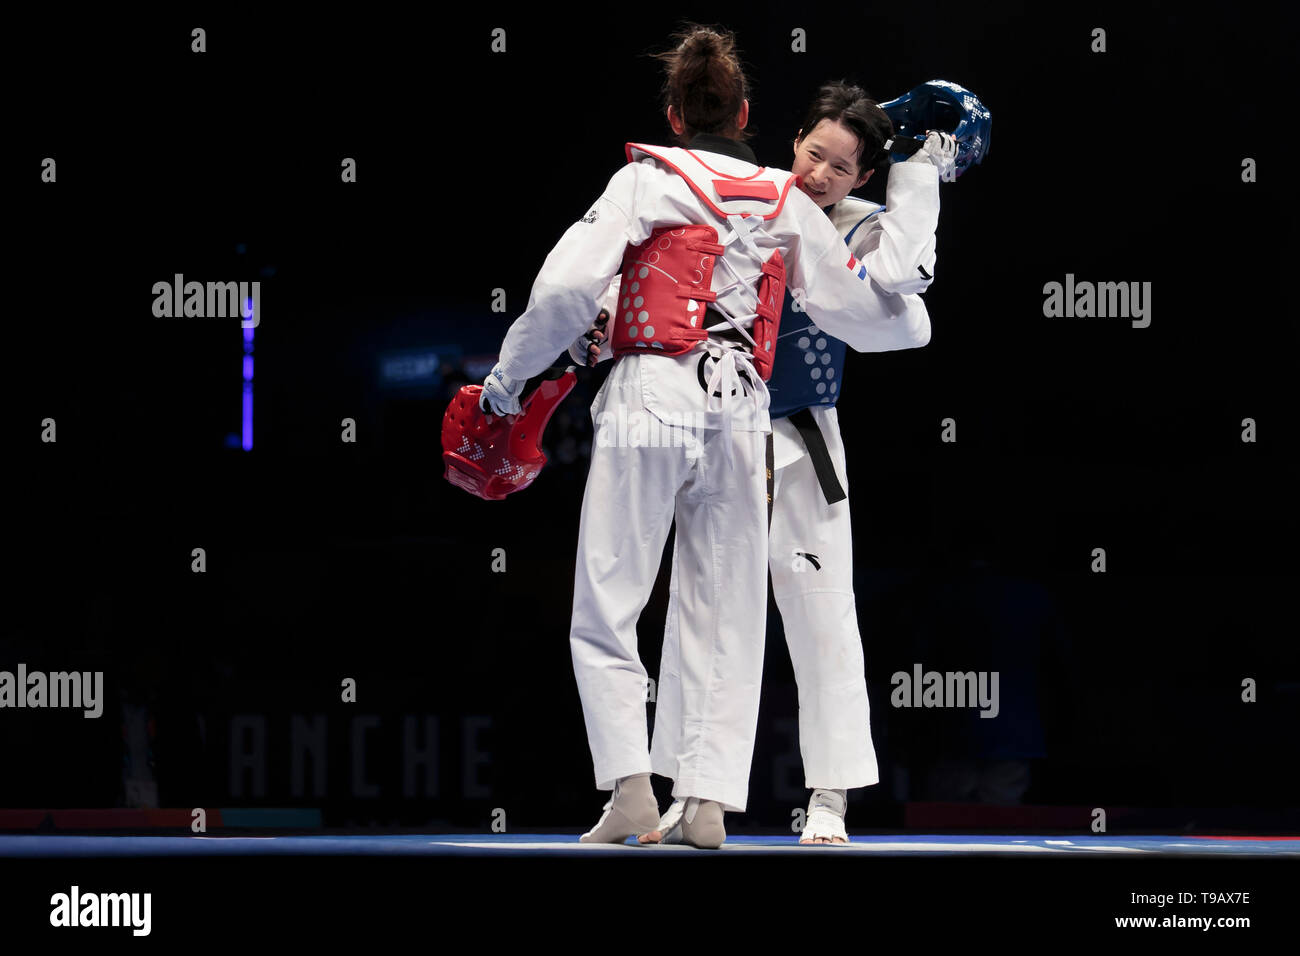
(808, 365)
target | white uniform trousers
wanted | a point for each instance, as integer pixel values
(631, 498)
(811, 560)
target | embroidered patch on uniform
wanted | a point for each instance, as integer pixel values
(590, 217)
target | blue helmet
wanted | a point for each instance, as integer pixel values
(948, 108)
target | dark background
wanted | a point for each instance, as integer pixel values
(328, 560)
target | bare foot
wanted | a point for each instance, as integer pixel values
(654, 836)
(823, 840)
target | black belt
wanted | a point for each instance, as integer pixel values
(815, 442)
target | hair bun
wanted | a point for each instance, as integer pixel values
(704, 81)
(705, 42)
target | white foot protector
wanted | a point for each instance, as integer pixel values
(826, 816)
(631, 811)
(694, 822)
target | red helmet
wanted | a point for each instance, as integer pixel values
(491, 456)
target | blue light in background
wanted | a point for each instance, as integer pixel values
(247, 442)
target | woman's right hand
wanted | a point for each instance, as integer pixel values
(586, 350)
(941, 150)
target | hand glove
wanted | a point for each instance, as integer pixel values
(586, 349)
(500, 393)
(941, 150)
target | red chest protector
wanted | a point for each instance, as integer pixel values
(665, 289)
(667, 280)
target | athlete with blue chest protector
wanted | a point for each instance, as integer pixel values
(844, 140)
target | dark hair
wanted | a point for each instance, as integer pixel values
(852, 106)
(705, 82)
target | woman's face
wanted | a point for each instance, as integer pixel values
(826, 159)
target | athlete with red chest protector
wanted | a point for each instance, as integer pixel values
(693, 353)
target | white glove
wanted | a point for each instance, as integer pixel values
(586, 348)
(940, 149)
(500, 393)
